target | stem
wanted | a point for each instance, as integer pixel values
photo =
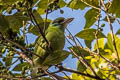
(111, 28)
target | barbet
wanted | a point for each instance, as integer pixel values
(56, 38)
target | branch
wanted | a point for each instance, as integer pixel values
(90, 5)
(15, 78)
(111, 28)
(53, 74)
(38, 27)
(85, 61)
(80, 73)
(94, 53)
(46, 17)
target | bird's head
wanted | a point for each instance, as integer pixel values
(61, 22)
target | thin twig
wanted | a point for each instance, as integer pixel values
(66, 75)
(46, 18)
(90, 5)
(21, 54)
(38, 27)
(15, 78)
(94, 53)
(85, 61)
(73, 38)
(21, 47)
(96, 33)
(79, 58)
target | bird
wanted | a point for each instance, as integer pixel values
(56, 38)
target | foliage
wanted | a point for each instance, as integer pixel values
(100, 61)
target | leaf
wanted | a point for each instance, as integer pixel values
(80, 67)
(94, 3)
(79, 51)
(89, 34)
(88, 43)
(45, 78)
(41, 11)
(8, 61)
(118, 32)
(37, 17)
(8, 1)
(110, 42)
(76, 4)
(33, 29)
(16, 21)
(61, 3)
(112, 19)
(114, 8)
(118, 46)
(56, 57)
(107, 53)
(4, 24)
(77, 77)
(20, 66)
(100, 44)
(90, 17)
(109, 45)
(43, 4)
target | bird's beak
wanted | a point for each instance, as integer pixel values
(67, 21)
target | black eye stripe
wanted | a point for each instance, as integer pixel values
(58, 20)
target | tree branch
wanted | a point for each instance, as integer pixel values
(80, 73)
(111, 28)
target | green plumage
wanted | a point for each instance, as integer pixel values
(55, 36)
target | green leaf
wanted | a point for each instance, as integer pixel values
(20, 66)
(88, 43)
(45, 78)
(16, 21)
(118, 32)
(7, 2)
(8, 61)
(110, 42)
(114, 8)
(79, 51)
(89, 34)
(43, 4)
(118, 46)
(56, 57)
(37, 17)
(61, 3)
(90, 17)
(41, 11)
(4, 24)
(94, 3)
(33, 29)
(80, 67)
(76, 4)
(100, 44)
(112, 19)
(77, 77)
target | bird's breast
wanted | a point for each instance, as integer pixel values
(56, 38)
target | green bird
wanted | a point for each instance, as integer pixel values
(56, 38)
